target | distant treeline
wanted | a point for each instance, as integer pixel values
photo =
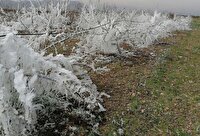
(13, 4)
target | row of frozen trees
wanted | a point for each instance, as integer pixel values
(34, 87)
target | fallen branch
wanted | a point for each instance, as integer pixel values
(165, 43)
(30, 34)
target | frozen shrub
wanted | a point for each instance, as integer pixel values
(30, 83)
(137, 29)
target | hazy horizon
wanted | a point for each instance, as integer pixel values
(188, 7)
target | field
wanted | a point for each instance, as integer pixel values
(98, 71)
(155, 96)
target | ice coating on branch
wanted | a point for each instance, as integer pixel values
(137, 29)
(5, 30)
(26, 76)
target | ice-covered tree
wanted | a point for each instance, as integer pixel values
(30, 83)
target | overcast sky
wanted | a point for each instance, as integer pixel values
(180, 6)
(188, 7)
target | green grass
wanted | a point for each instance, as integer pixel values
(169, 103)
